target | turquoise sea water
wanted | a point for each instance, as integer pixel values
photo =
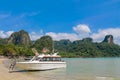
(83, 69)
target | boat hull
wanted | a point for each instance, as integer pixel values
(40, 65)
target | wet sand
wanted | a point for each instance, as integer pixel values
(15, 75)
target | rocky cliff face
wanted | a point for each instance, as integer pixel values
(20, 38)
(108, 39)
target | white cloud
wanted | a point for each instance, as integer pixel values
(35, 36)
(8, 33)
(82, 29)
(34, 13)
(4, 15)
(59, 36)
(29, 14)
(5, 34)
(98, 37)
(2, 34)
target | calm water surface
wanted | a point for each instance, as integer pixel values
(84, 69)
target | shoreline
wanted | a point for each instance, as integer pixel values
(15, 75)
(26, 75)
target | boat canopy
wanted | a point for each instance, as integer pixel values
(48, 55)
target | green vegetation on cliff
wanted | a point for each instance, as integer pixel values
(19, 44)
(15, 50)
(44, 44)
(87, 48)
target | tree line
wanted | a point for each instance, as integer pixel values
(87, 48)
(66, 48)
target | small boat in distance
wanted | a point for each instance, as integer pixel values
(42, 62)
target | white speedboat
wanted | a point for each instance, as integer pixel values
(42, 62)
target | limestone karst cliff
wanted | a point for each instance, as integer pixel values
(19, 38)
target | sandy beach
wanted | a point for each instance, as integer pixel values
(16, 75)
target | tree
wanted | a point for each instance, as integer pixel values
(44, 42)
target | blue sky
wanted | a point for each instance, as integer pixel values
(61, 19)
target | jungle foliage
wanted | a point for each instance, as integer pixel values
(87, 48)
(66, 48)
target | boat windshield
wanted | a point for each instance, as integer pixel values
(50, 59)
(47, 58)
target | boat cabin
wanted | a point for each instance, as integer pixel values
(51, 58)
(47, 58)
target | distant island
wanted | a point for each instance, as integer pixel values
(20, 44)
